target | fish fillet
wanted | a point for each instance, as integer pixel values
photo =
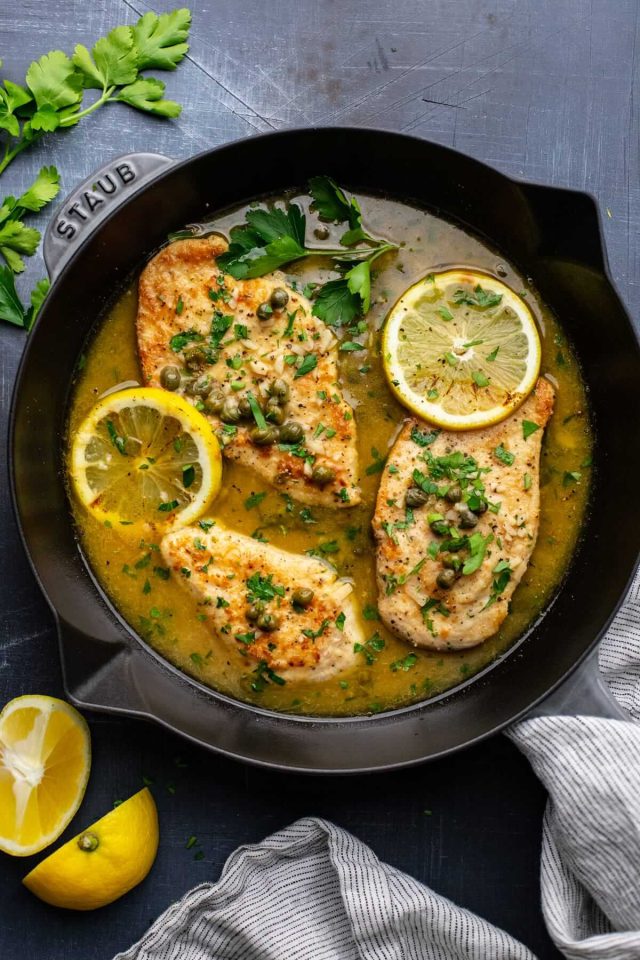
(409, 558)
(182, 291)
(228, 572)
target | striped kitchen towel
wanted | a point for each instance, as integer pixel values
(314, 892)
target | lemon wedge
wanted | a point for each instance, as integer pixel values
(145, 455)
(45, 758)
(103, 862)
(461, 349)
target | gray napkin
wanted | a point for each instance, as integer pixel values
(313, 891)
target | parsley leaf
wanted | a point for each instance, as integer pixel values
(146, 94)
(160, 41)
(336, 304)
(503, 455)
(309, 363)
(529, 427)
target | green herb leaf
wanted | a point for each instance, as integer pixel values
(43, 189)
(477, 550)
(309, 363)
(115, 60)
(254, 500)
(147, 94)
(180, 340)
(38, 295)
(480, 379)
(168, 506)
(503, 455)
(11, 308)
(54, 82)
(529, 427)
(160, 41)
(336, 304)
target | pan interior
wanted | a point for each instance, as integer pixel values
(166, 617)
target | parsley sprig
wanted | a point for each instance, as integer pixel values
(52, 98)
(271, 238)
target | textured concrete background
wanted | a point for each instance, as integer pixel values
(544, 89)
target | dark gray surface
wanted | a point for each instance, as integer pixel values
(545, 89)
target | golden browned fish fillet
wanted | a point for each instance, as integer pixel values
(183, 292)
(497, 542)
(236, 577)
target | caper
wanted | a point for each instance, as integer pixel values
(245, 408)
(170, 377)
(268, 622)
(438, 524)
(280, 389)
(480, 506)
(451, 562)
(274, 411)
(255, 610)
(302, 597)
(215, 401)
(264, 311)
(321, 476)
(321, 232)
(201, 387)
(415, 497)
(446, 579)
(453, 494)
(467, 519)
(264, 436)
(291, 432)
(279, 298)
(230, 412)
(194, 358)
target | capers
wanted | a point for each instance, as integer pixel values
(438, 524)
(274, 411)
(291, 432)
(264, 436)
(279, 298)
(230, 412)
(245, 408)
(453, 494)
(268, 622)
(446, 579)
(321, 232)
(467, 519)
(480, 506)
(170, 377)
(201, 387)
(415, 497)
(195, 358)
(255, 610)
(279, 389)
(215, 401)
(451, 562)
(264, 311)
(321, 476)
(302, 597)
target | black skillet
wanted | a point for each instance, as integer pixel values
(124, 211)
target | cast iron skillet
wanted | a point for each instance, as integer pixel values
(122, 213)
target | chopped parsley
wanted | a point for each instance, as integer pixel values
(529, 427)
(369, 648)
(168, 506)
(254, 500)
(309, 363)
(405, 664)
(503, 455)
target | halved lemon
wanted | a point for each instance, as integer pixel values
(461, 349)
(146, 455)
(45, 758)
(103, 862)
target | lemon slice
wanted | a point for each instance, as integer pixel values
(103, 862)
(45, 758)
(146, 455)
(461, 350)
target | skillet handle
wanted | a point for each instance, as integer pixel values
(584, 693)
(93, 201)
